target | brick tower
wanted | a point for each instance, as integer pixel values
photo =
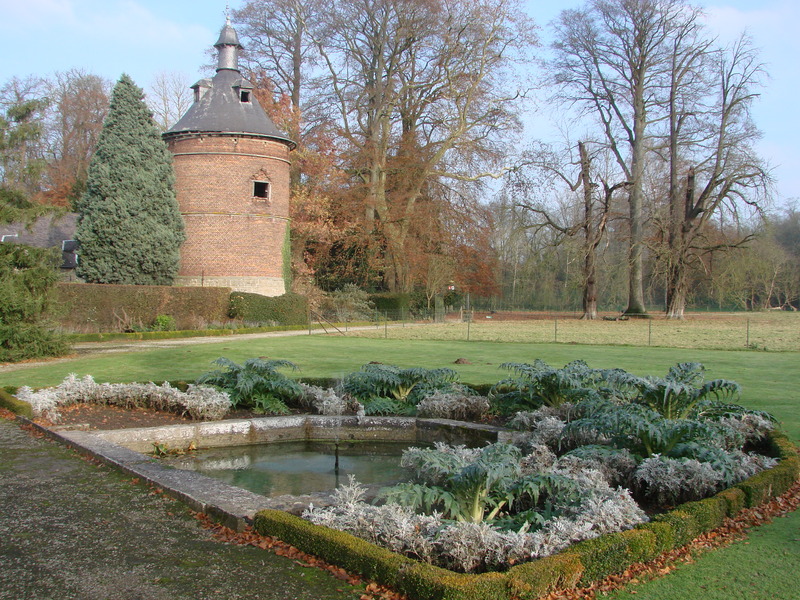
(232, 183)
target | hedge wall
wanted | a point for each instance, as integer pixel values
(578, 565)
(91, 308)
(10, 402)
(395, 305)
(289, 309)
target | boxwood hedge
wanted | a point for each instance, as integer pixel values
(582, 563)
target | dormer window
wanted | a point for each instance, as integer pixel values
(261, 190)
(244, 95)
(200, 88)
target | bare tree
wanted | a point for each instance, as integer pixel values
(419, 94)
(78, 105)
(589, 221)
(724, 168)
(169, 98)
(612, 60)
(277, 42)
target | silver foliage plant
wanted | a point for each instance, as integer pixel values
(752, 427)
(198, 402)
(460, 407)
(467, 546)
(329, 402)
(668, 481)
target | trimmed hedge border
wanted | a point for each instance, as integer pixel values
(288, 309)
(390, 303)
(581, 564)
(18, 407)
(94, 306)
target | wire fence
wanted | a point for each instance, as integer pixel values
(769, 331)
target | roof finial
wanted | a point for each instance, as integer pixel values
(227, 14)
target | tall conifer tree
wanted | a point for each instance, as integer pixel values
(129, 227)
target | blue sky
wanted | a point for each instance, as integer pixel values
(145, 37)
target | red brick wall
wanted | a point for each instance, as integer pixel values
(229, 232)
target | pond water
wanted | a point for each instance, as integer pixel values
(298, 468)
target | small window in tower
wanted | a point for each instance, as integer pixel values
(261, 189)
(245, 95)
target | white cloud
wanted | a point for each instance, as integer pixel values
(770, 22)
(107, 37)
(86, 22)
(33, 13)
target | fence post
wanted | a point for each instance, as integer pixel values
(649, 331)
(747, 343)
(385, 325)
(555, 332)
(469, 321)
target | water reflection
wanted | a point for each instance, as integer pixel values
(298, 467)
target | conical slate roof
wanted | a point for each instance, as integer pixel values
(225, 103)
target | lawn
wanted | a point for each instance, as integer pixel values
(756, 568)
(770, 380)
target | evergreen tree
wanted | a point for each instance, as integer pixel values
(129, 225)
(27, 279)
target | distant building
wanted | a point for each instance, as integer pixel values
(232, 183)
(48, 231)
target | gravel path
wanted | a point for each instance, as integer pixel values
(72, 530)
(85, 349)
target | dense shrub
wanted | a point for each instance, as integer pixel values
(538, 384)
(580, 506)
(530, 580)
(90, 308)
(289, 309)
(667, 440)
(164, 323)
(327, 401)
(15, 405)
(350, 303)
(396, 306)
(27, 278)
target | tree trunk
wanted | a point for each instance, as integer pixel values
(590, 288)
(678, 277)
(677, 291)
(635, 269)
(590, 241)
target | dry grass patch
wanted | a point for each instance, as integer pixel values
(772, 331)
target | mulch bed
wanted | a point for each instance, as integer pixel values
(100, 416)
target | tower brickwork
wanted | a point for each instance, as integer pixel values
(232, 183)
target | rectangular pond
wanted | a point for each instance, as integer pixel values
(298, 467)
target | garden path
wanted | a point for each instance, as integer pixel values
(84, 349)
(76, 531)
